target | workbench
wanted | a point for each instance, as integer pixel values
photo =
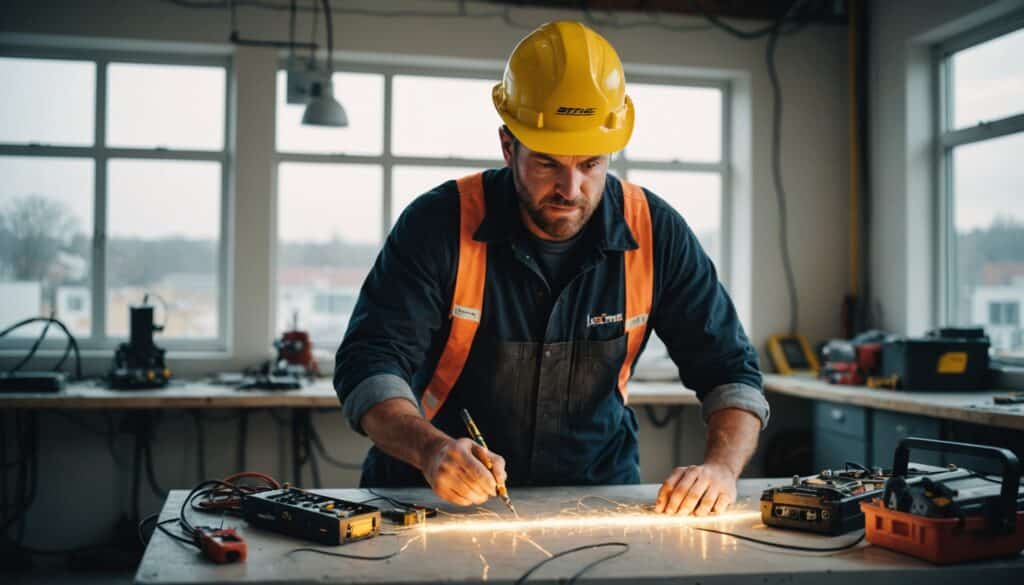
(478, 549)
(319, 394)
(864, 425)
(971, 407)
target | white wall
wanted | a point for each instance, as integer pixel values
(812, 70)
(902, 88)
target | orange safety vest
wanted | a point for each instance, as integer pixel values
(468, 300)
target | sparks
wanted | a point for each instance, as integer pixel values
(566, 521)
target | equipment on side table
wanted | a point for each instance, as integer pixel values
(295, 353)
(944, 359)
(790, 354)
(311, 516)
(294, 362)
(140, 363)
(826, 503)
(853, 361)
(958, 515)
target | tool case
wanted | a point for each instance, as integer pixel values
(946, 359)
(950, 517)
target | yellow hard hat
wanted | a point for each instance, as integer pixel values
(564, 92)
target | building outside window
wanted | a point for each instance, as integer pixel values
(981, 138)
(115, 170)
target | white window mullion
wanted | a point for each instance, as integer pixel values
(99, 255)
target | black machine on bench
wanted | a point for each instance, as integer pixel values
(829, 502)
(311, 516)
(140, 363)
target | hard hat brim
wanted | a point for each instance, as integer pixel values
(590, 142)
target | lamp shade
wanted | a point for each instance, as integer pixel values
(323, 109)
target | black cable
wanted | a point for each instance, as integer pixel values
(291, 29)
(161, 526)
(163, 303)
(137, 478)
(243, 439)
(773, 32)
(3, 469)
(784, 546)
(60, 324)
(150, 471)
(346, 556)
(200, 445)
(651, 20)
(318, 444)
(330, 37)
(315, 32)
(672, 413)
(624, 546)
(201, 489)
(27, 479)
(787, 262)
(35, 346)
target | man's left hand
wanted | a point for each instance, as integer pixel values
(697, 489)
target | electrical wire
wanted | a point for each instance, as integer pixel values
(624, 546)
(671, 414)
(782, 545)
(773, 32)
(163, 303)
(649, 20)
(71, 339)
(200, 444)
(35, 345)
(318, 445)
(346, 556)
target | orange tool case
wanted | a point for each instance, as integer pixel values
(950, 517)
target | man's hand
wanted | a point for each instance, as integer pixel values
(710, 488)
(455, 469)
(698, 489)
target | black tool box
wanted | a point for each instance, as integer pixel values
(829, 502)
(311, 516)
(946, 359)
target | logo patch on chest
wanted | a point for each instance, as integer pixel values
(603, 319)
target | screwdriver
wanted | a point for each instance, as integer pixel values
(474, 433)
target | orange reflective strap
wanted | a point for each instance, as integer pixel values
(468, 301)
(639, 266)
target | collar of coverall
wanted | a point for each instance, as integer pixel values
(502, 215)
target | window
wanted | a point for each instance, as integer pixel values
(130, 147)
(1004, 313)
(981, 136)
(339, 190)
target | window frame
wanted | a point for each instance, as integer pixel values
(621, 165)
(947, 139)
(101, 154)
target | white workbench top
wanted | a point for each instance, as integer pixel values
(974, 407)
(664, 551)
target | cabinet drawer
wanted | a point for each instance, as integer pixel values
(832, 450)
(841, 418)
(889, 427)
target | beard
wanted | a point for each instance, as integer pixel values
(557, 227)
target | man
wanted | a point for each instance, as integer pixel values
(525, 295)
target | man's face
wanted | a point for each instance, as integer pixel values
(557, 193)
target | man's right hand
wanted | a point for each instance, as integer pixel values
(455, 469)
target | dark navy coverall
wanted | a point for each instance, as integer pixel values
(541, 378)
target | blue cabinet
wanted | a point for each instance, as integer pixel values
(887, 428)
(840, 435)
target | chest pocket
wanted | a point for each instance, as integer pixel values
(594, 376)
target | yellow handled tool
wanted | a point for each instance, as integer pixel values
(474, 433)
